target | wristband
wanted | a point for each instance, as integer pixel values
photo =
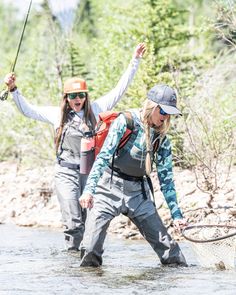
(13, 89)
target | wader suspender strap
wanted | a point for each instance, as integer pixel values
(156, 144)
(60, 144)
(130, 125)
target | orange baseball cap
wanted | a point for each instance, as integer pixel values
(74, 85)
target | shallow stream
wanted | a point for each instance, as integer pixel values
(33, 261)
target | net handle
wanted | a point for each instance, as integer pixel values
(207, 226)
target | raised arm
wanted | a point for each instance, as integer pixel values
(48, 114)
(109, 100)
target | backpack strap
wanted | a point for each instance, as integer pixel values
(129, 120)
(124, 139)
(130, 126)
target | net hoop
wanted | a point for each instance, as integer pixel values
(184, 232)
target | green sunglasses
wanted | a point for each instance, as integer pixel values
(81, 95)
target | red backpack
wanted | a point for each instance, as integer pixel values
(103, 125)
(92, 142)
(101, 131)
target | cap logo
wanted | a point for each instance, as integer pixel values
(76, 86)
(173, 97)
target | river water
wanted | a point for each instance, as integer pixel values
(33, 261)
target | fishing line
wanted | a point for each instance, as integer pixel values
(4, 93)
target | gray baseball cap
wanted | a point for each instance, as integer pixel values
(165, 97)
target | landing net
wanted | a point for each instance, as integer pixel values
(214, 245)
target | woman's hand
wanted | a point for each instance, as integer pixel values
(86, 201)
(10, 81)
(180, 224)
(140, 50)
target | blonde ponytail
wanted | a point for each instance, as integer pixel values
(146, 116)
(149, 106)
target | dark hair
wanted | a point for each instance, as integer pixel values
(89, 117)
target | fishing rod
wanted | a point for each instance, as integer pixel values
(4, 93)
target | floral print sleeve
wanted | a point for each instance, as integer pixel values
(165, 175)
(117, 130)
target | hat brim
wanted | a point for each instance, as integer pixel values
(75, 91)
(170, 110)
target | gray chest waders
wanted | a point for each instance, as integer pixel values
(141, 179)
(69, 148)
(123, 157)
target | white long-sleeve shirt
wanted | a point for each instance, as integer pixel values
(52, 114)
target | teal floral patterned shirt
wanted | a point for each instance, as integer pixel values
(163, 162)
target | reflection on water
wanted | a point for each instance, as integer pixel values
(33, 262)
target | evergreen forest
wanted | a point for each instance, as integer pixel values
(191, 46)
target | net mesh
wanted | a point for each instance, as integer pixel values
(215, 246)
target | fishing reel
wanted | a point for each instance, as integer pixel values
(4, 94)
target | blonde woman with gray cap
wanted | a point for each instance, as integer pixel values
(117, 183)
(76, 115)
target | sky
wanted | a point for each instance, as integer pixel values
(64, 10)
(57, 5)
(61, 8)
(22, 5)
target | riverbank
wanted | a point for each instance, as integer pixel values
(27, 198)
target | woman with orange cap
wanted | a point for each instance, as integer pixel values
(76, 115)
